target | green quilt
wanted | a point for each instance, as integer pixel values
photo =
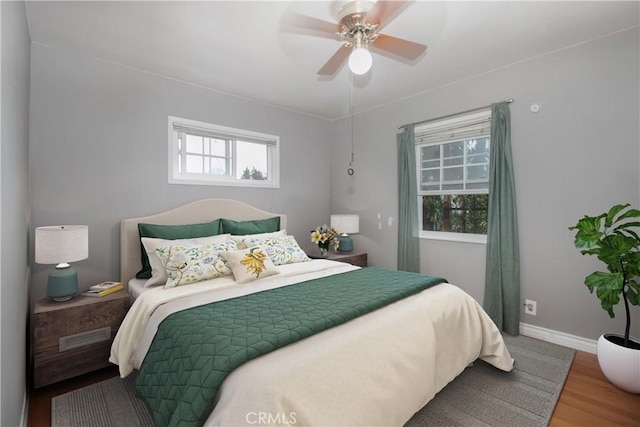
(194, 350)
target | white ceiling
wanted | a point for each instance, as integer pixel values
(241, 47)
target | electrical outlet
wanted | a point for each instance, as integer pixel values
(530, 307)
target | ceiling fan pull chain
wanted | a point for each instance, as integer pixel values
(350, 171)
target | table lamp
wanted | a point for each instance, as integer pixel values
(60, 245)
(345, 224)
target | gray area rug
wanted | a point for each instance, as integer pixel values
(481, 396)
(485, 396)
(110, 403)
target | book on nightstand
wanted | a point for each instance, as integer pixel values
(103, 289)
(104, 286)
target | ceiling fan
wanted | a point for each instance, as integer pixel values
(359, 23)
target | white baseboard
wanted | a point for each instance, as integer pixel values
(560, 338)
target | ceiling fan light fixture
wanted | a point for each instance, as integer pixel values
(360, 60)
(358, 27)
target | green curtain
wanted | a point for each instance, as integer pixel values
(502, 280)
(408, 243)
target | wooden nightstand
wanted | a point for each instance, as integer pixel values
(353, 258)
(74, 337)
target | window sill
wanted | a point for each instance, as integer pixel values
(454, 237)
(225, 183)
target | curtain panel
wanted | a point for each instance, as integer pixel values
(408, 241)
(502, 280)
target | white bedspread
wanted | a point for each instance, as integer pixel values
(378, 369)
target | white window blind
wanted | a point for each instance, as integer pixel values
(454, 129)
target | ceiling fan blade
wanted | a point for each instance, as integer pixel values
(335, 62)
(382, 12)
(400, 47)
(303, 24)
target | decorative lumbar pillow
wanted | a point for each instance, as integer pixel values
(158, 273)
(185, 264)
(281, 250)
(257, 237)
(242, 228)
(250, 264)
(172, 232)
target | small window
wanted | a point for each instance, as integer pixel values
(208, 154)
(453, 176)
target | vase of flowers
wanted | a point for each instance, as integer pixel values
(326, 238)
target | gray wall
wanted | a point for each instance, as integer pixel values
(14, 210)
(579, 155)
(99, 153)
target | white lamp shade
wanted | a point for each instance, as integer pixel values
(62, 244)
(360, 60)
(344, 223)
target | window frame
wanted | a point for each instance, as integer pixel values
(232, 135)
(461, 119)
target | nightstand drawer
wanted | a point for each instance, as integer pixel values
(354, 258)
(51, 366)
(85, 328)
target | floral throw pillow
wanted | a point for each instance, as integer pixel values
(250, 264)
(255, 237)
(281, 250)
(187, 264)
(158, 274)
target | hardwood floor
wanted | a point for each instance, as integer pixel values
(587, 399)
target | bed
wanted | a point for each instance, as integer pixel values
(376, 369)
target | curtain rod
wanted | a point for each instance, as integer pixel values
(452, 115)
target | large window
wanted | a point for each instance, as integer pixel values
(453, 176)
(203, 153)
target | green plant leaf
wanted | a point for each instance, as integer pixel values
(588, 231)
(612, 213)
(619, 243)
(613, 251)
(631, 262)
(633, 292)
(627, 225)
(633, 233)
(627, 229)
(608, 287)
(631, 213)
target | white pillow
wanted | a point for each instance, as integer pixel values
(190, 263)
(240, 239)
(281, 250)
(158, 275)
(250, 264)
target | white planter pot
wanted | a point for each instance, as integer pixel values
(621, 365)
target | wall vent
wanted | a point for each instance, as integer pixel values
(84, 338)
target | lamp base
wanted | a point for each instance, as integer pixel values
(62, 284)
(346, 243)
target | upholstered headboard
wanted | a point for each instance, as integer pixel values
(195, 212)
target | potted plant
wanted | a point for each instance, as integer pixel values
(613, 238)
